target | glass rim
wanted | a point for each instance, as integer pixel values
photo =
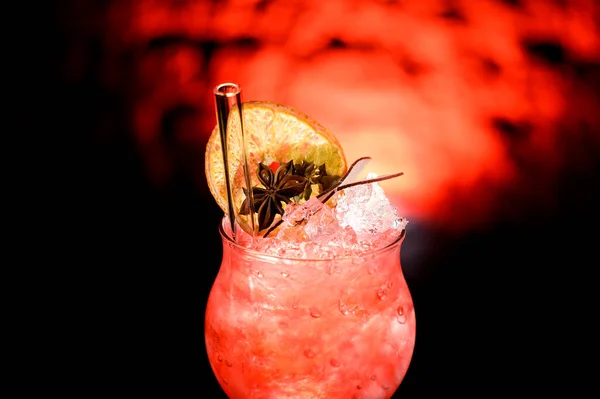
(372, 252)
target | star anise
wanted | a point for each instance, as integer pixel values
(278, 188)
(315, 175)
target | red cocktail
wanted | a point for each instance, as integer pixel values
(310, 300)
(309, 328)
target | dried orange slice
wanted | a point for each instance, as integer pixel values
(274, 133)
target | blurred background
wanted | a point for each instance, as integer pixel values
(490, 108)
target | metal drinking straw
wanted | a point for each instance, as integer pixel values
(228, 98)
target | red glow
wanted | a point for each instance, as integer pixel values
(415, 85)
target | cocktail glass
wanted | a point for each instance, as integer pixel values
(279, 327)
(332, 324)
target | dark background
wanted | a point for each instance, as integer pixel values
(501, 308)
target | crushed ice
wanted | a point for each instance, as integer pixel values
(363, 219)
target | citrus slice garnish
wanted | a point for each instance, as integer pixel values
(275, 134)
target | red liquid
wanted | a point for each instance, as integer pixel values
(278, 328)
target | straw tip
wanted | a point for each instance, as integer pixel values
(228, 89)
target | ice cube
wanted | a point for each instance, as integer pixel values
(367, 210)
(322, 225)
(296, 213)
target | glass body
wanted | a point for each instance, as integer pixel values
(291, 328)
